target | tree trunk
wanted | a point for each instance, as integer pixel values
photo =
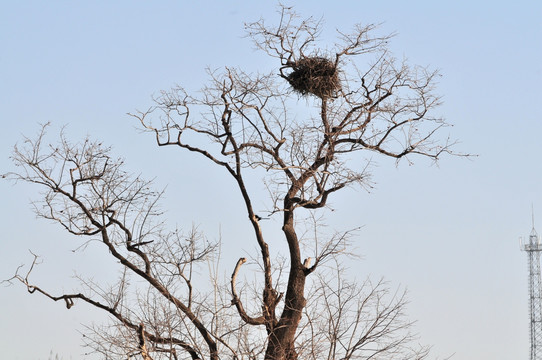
(281, 341)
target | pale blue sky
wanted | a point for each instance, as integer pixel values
(448, 233)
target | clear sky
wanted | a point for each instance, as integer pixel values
(448, 233)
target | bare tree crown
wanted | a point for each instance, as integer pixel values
(382, 106)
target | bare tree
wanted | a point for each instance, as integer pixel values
(360, 100)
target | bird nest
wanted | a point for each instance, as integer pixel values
(314, 75)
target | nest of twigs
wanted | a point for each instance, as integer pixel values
(314, 75)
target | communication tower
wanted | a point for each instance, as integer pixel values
(533, 248)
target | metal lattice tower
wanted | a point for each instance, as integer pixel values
(533, 248)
